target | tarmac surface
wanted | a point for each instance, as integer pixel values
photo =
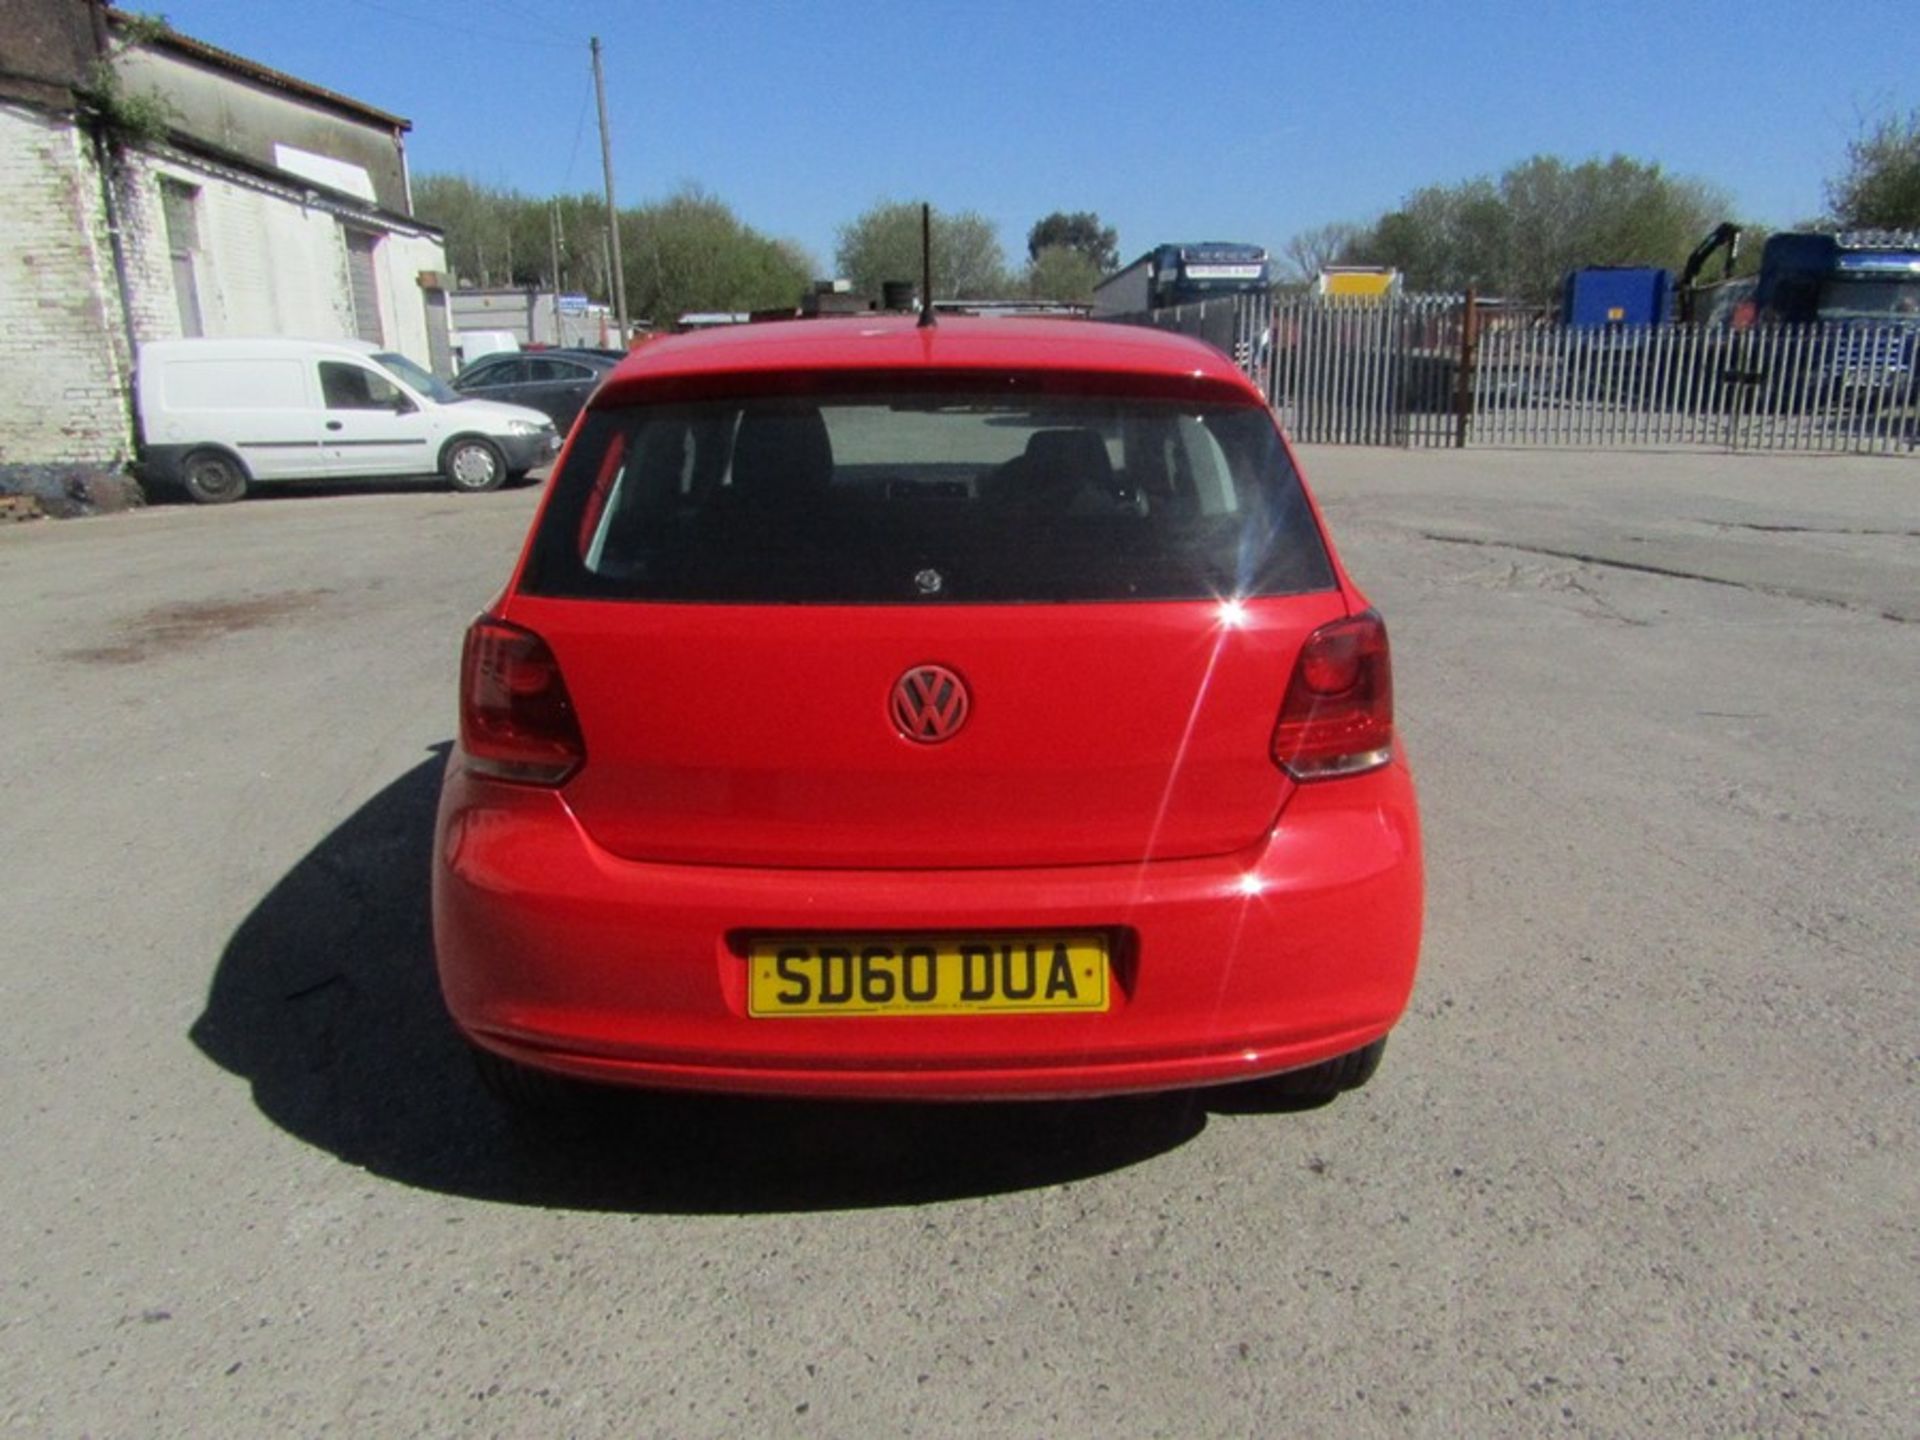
(1641, 1159)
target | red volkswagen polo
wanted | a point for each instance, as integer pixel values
(968, 711)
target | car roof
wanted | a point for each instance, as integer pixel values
(584, 353)
(899, 342)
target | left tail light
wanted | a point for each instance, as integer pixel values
(516, 718)
(1337, 718)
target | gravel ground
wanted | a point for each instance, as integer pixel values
(1641, 1159)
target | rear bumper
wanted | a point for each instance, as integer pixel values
(557, 954)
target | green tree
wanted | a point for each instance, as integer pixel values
(1880, 187)
(1519, 235)
(1313, 250)
(478, 221)
(1081, 231)
(884, 244)
(1614, 212)
(691, 252)
(585, 258)
(688, 252)
(1445, 237)
(1062, 273)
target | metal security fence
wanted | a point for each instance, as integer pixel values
(1358, 373)
(1837, 387)
(1238, 325)
(1443, 370)
(1340, 373)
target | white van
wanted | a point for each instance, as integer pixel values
(472, 345)
(219, 415)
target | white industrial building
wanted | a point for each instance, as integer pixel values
(158, 187)
(535, 317)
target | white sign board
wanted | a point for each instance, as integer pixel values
(325, 170)
(1223, 272)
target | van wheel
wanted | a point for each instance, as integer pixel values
(473, 465)
(212, 478)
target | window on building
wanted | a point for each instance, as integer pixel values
(178, 204)
(361, 245)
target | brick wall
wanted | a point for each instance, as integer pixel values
(153, 313)
(270, 260)
(63, 352)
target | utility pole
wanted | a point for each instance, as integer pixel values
(553, 236)
(606, 277)
(1463, 373)
(613, 214)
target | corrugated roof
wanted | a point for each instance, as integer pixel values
(186, 45)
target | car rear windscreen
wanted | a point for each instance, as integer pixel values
(944, 496)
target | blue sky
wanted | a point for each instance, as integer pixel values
(1219, 120)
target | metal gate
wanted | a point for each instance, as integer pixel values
(362, 285)
(439, 335)
(1360, 372)
(1440, 370)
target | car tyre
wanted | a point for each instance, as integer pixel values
(523, 1089)
(473, 465)
(1316, 1084)
(212, 478)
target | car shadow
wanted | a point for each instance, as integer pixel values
(288, 490)
(325, 1001)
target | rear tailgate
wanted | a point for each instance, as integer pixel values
(763, 735)
(734, 582)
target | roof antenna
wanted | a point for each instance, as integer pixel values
(926, 266)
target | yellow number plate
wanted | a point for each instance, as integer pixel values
(880, 975)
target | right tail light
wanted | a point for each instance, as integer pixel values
(1337, 718)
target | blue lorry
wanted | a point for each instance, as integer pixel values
(1806, 277)
(1180, 274)
(1861, 290)
(1866, 277)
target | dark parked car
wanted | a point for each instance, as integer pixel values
(555, 381)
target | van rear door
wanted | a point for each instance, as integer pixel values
(260, 407)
